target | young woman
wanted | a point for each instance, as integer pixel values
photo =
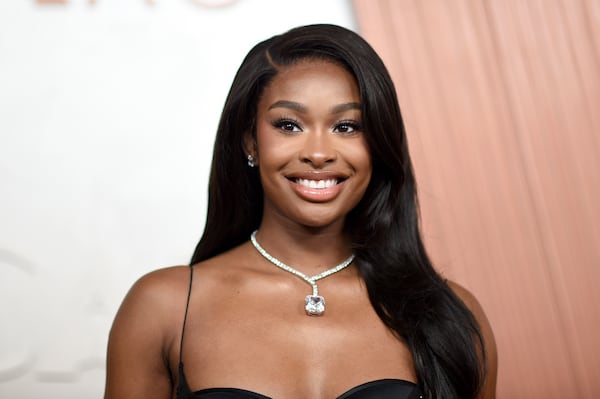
(311, 279)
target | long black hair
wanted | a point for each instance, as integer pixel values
(409, 296)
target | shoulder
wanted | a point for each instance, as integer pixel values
(160, 284)
(468, 298)
(476, 309)
(146, 326)
(159, 290)
(491, 355)
(154, 304)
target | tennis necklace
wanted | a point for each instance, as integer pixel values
(313, 304)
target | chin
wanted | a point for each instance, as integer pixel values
(321, 222)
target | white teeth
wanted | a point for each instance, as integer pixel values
(317, 183)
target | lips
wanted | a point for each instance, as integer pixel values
(317, 186)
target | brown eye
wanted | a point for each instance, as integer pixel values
(347, 127)
(287, 125)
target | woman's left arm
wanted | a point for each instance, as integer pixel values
(488, 390)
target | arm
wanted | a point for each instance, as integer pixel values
(146, 323)
(488, 390)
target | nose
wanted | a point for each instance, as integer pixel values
(318, 149)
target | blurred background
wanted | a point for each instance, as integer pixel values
(107, 117)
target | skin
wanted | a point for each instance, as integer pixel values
(246, 325)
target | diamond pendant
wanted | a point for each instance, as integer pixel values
(314, 305)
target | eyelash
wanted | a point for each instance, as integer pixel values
(354, 125)
(284, 124)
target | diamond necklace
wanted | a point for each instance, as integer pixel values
(313, 304)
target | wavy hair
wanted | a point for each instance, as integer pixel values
(409, 296)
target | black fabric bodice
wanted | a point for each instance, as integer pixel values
(380, 389)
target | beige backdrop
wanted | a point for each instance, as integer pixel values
(501, 101)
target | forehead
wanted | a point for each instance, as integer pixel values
(311, 79)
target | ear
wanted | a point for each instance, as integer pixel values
(250, 145)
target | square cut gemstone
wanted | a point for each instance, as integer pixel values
(314, 305)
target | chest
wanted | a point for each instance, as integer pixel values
(279, 351)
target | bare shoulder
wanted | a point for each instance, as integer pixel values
(467, 297)
(489, 388)
(160, 284)
(145, 327)
(154, 297)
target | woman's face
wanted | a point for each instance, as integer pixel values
(312, 155)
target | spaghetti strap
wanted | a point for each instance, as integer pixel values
(187, 305)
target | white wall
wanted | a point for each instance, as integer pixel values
(107, 117)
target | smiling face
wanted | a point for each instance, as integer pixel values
(312, 155)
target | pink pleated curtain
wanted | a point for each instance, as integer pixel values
(501, 100)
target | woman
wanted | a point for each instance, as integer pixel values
(310, 280)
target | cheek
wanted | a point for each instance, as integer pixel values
(361, 156)
(271, 148)
(364, 167)
(360, 160)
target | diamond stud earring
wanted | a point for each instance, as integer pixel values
(251, 161)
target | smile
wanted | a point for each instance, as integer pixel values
(316, 184)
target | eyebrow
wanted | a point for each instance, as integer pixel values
(302, 109)
(288, 104)
(345, 107)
